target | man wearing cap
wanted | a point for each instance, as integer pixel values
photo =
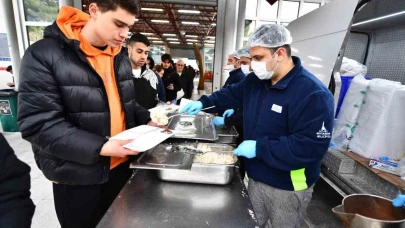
(287, 127)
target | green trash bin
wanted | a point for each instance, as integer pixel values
(8, 110)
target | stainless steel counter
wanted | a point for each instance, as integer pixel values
(146, 201)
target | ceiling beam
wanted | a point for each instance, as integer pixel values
(172, 19)
(155, 30)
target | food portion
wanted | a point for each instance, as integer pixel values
(215, 158)
(159, 117)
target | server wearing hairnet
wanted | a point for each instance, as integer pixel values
(235, 73)
(288, 119)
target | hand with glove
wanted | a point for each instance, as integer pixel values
(192, 108)
(228, 113)
(399, 201)
(247, 149)
(218, 121)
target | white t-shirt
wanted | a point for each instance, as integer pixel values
(136, 73)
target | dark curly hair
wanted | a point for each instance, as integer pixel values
(132, 6)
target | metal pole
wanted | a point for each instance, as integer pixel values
(219, 41)
(65, 3)
(231, 11)
(78, 4)
(8, 16)
(241, 24)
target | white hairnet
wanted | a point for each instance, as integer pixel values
(243, 52)
(234, 54)
(270, 36)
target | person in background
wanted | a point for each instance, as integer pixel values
(16, 206)
(146, 82)
(158, 69)
(235, 74)
(171, 80)
(232, 62)
(287, 134)
(235, 117)
(76, 91)
(10, 70)
(186, 80)
(150, 63)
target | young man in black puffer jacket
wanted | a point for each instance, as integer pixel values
(76, 91)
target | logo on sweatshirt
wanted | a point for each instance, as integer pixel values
(323, 133)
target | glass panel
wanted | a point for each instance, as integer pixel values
(35, 33)
(209, 59)
(41, 10)
(308, 7)
(289, 10)
(156, 52)
(249, 27)
(251, 7)
(267, 10)
(259, 23)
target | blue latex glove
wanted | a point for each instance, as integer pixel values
(192, 108)
(399, 201)
(247, 149)
(228, 113)
(218, 121)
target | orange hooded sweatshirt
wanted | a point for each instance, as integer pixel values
(71, 21)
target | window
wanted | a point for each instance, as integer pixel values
(209, 59)
(285, 24)
(259, 23)
(267, 10)
(308, 7)
(41, 10)
(249, 27)
(289, 10)
(156, 52)
(35, 33)
(251, 7)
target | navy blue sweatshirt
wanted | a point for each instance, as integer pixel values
(161, 89)
(290, 121)
(235, 77)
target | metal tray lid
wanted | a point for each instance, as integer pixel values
(194, 127)
(161, 157)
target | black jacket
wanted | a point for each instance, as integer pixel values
(16, 207)
(145, 95)
(64, 110)
(186, 81)
(171, 77)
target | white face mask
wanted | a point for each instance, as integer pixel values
(245, 69)
(260, 69)
(229, 67)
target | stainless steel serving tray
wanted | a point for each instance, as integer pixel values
(203, 173)
(226, 134)
(161, 157)
(194, 127)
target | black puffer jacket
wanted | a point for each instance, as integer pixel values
(64, 110)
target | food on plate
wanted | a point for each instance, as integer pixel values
(159, 117)
(215, 158)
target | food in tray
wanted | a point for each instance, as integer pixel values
(215, 158)
(159, 117)
(185, 124)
